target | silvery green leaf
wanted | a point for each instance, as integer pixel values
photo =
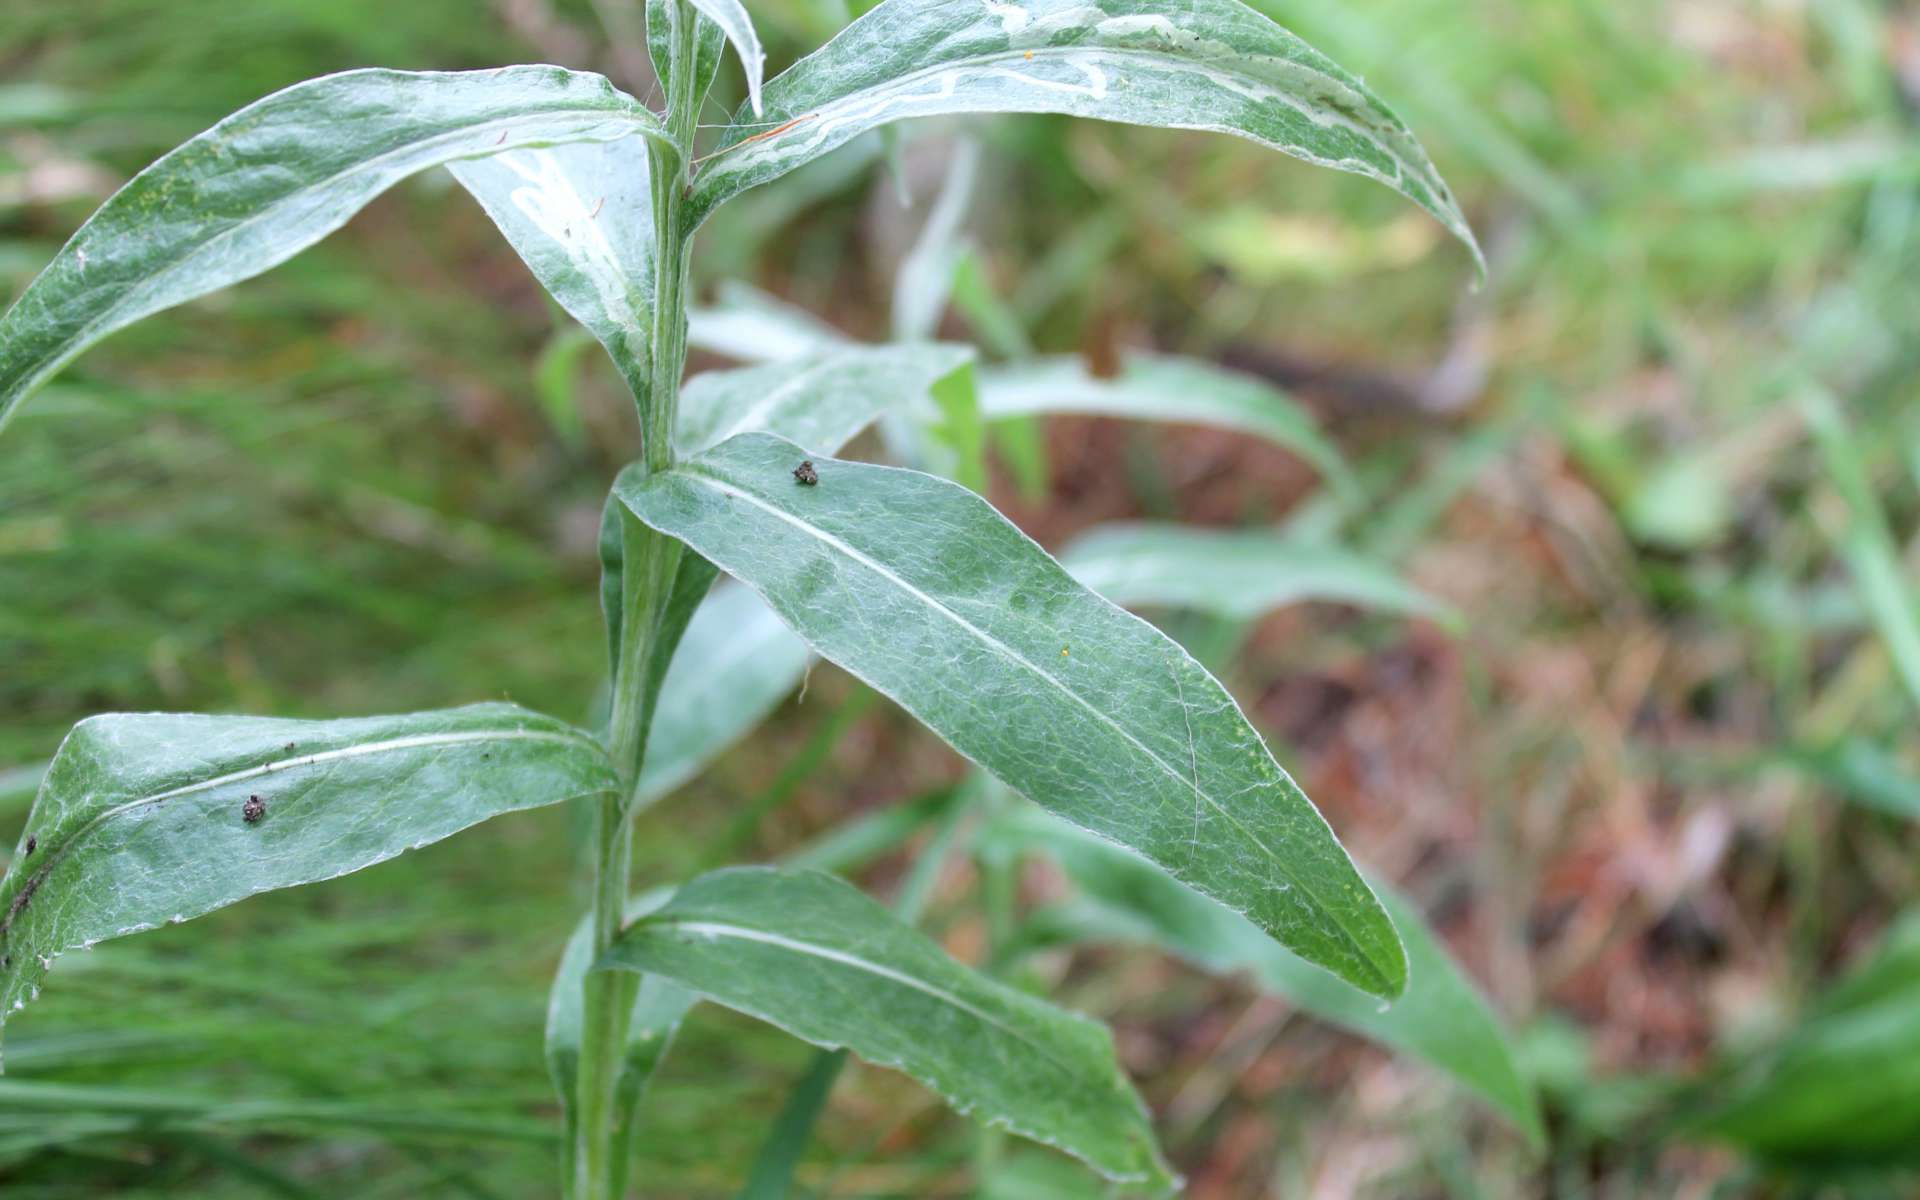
(820, 401)
(581, 217)
(710, 42)
(924, 281)
(735, 663)
(1441, 1018)
(731, 16)
(1237, 574)
(921, 589)
(737, 658)
(1187, 64)
(809, 953)
(1155, 388)
(750, 326)
(277, 176)
(149, 818)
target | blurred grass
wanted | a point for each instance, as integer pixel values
(369, 481)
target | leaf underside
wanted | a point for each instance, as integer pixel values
(736, 661)
(274, 178)
(581, 217)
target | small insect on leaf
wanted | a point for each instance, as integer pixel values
(33, 843)
(806, 474)
(253, 810)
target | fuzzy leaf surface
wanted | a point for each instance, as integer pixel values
(809, 953)
(731, 16)
(581, 217)
(750, 326)
(149, 818)
(276, 177)
(918, 587)
(1185, 64)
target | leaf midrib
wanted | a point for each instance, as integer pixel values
(57, 854)
(697, 472)
(1304, 107)
(718, 929)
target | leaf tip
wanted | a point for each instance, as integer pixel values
(756, 71)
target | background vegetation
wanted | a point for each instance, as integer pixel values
(1658, 789)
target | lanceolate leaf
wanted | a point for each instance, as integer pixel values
(1188, 64)
(1842, 1086)
(920, 588)
(581, 216)
(751, 326)
(1237, 574)
(734, 665)
(731, 16)
(145, 819)
(1441, 1018)
(811, 954)
(1161, 389)
(737, 658)
(276, 177)
(821, 401)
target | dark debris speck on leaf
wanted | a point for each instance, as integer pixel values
(806, 474)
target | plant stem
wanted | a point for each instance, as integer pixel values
(650, 562)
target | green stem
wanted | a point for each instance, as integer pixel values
(650, 562)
